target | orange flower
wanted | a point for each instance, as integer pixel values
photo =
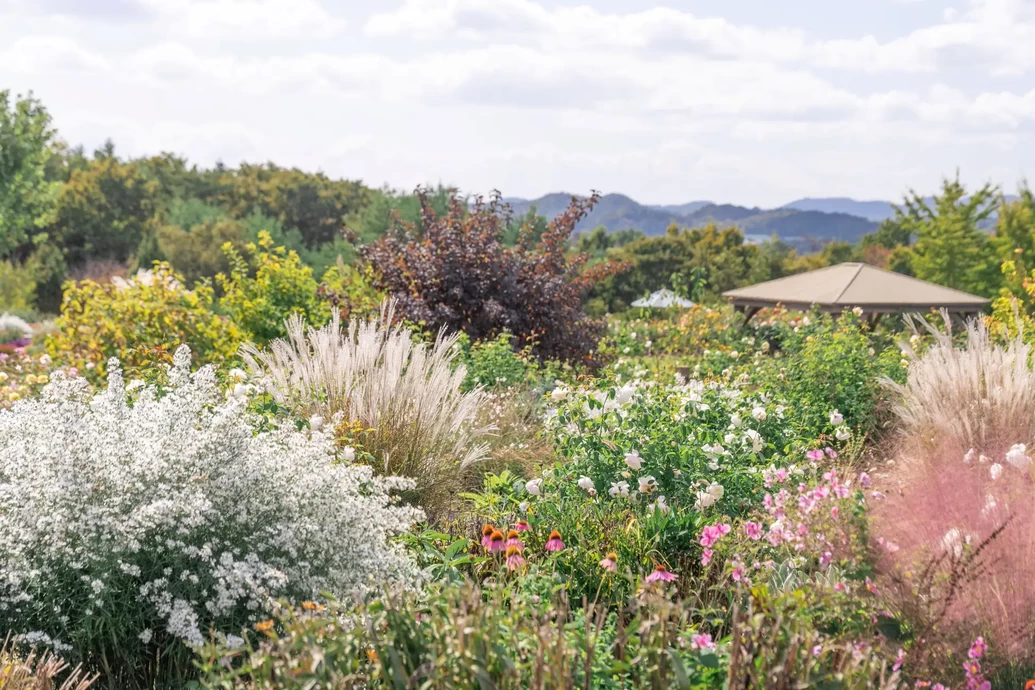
(312, 606)
(264, 626)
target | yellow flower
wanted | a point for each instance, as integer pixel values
(264, 626)
(312, 606)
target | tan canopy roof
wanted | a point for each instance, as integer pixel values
(855, 285)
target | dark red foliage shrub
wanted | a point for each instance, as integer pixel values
(456, 272)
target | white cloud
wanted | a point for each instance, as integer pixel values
(245, 19)
(50, 53)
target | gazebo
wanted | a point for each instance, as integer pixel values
(850, 285)
(662, 299)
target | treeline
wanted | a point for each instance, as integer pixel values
(68, 214)
(979, 242)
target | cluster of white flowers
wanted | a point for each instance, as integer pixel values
(171, 516)
(9, 322)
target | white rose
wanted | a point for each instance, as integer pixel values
(349, 453)
(633, 460)
(716, 491)
(836, 418)
(759, 414)
(558, 394)
(534, 486)
(586, 484)
(646, 484)
(316, 422)
(735, 420)
(842, 433)
(704, 500)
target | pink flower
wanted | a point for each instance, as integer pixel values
(834, 512)
(706, 557)
(870, 587)
(702, 641)
(609, 562)
(522, 526)
(554, 543)
(978, 649)
(661, 574)
(753, 530)
(496, 542)
(487, 531)
(840, 587)
(738, 573)
(864, 479)
(712, 534)
(899, 659)
(825, 559)
(831, 453)
(814, 455)
(514, 558)
(817, 650)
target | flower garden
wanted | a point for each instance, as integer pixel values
(286, 483)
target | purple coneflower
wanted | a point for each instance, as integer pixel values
(514, 558)
(513, 539)
(554, 543)
(661, 574)
(522, 526)
(487, 534)
(609, 562)
(496, 542)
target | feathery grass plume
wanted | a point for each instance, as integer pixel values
(39, 671)
(978, 396)
(406, 396)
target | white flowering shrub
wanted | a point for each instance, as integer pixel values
(133, 526)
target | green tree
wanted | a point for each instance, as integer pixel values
(27, 193)
(951, 248)
(105, 210)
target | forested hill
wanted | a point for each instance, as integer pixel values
(618, 212)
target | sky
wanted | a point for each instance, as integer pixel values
(755, 102)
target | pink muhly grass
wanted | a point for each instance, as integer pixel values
(946, 508)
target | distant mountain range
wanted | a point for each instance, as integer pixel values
(799, 221)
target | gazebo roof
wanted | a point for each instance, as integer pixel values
(662, 299)
(850, 285)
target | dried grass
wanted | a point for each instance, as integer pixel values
(39, 671)
(405, 396)
(978, 396)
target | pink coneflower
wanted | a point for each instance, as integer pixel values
(609, 562)
(514, 558)
(496, 542)
(513, 539)
(554, 543)
(487, 531)
(522, 526)
(661, 574)
(701, 641)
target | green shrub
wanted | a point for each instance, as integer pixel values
(493, 363)
(17, 288)
(141, 320)
(264, 289)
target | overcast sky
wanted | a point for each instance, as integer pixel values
(746, 101)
